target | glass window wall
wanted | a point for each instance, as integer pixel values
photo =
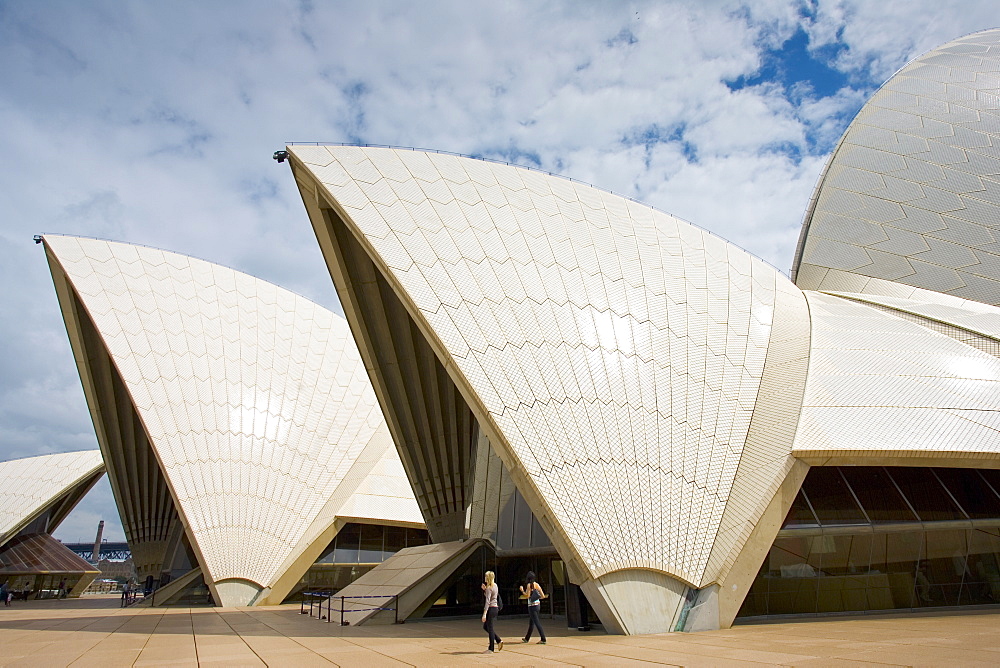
(874, 538)
(928, 497)
(832, 499)
(354, 551)
(972, 493)
(370, 543)
(882, 500)
(517, 527)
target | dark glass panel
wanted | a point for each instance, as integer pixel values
(326, 578)
(897, 555)
(984, 564)
(328, 554)
(416, 537)
(800, 514)
(831, 499)
(788, 554)
(925, 493)
(791, 581)
(395, 539)
(944, 565)
(877, 494)
(522, 522)
(462, 593)
(505, 525)
(755, 603)
(817, 547)
(846, 582)
(372, 541)
(557, 590)
(347, 542)
(549, 573)
(975, 497)
(840, 555)
(992, 477)
(538, 536)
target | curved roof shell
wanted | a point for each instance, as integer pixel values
(613, 353)
(32, 486)
(901, 236)
(912, 193)
(885, 387)
(256, 406)
(616, 357)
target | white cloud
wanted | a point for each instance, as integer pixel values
(883, 36)
(154, 122)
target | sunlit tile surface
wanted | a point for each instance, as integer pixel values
(912, 193)
(618, 350)
(28, 486)
(901, 237)
(254, 399)
(880, 384)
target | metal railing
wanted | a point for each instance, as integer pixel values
(317, 599)
(131, 597)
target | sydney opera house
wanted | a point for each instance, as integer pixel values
(536, 373)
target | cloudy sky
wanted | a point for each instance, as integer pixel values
(154, 123)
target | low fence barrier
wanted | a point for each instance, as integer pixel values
(325, 605)
(131, 597)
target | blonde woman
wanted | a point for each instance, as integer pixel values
(491, 610)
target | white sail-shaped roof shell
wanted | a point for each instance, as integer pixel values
(912, 193)
(383, 493)
(254, 399)
(901, 237)
(655, 391)
(616, 351)
(30, 486)
(883, 387)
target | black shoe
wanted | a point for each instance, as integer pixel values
(524, 639)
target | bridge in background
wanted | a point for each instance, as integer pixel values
(109, 551)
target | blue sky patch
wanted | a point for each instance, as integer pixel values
(654, 134)
(796, 68)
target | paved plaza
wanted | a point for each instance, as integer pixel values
(95, 632)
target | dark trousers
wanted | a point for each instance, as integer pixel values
(533, 622)
(491, 616)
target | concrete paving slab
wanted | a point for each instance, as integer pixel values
(91, 632)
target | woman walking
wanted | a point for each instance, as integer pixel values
(491, 610)
(534, 592)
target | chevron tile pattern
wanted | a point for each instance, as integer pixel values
(255, 400)
(29, 486)
(618, 349)
(912, 193)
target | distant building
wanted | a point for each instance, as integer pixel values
(123, 571)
